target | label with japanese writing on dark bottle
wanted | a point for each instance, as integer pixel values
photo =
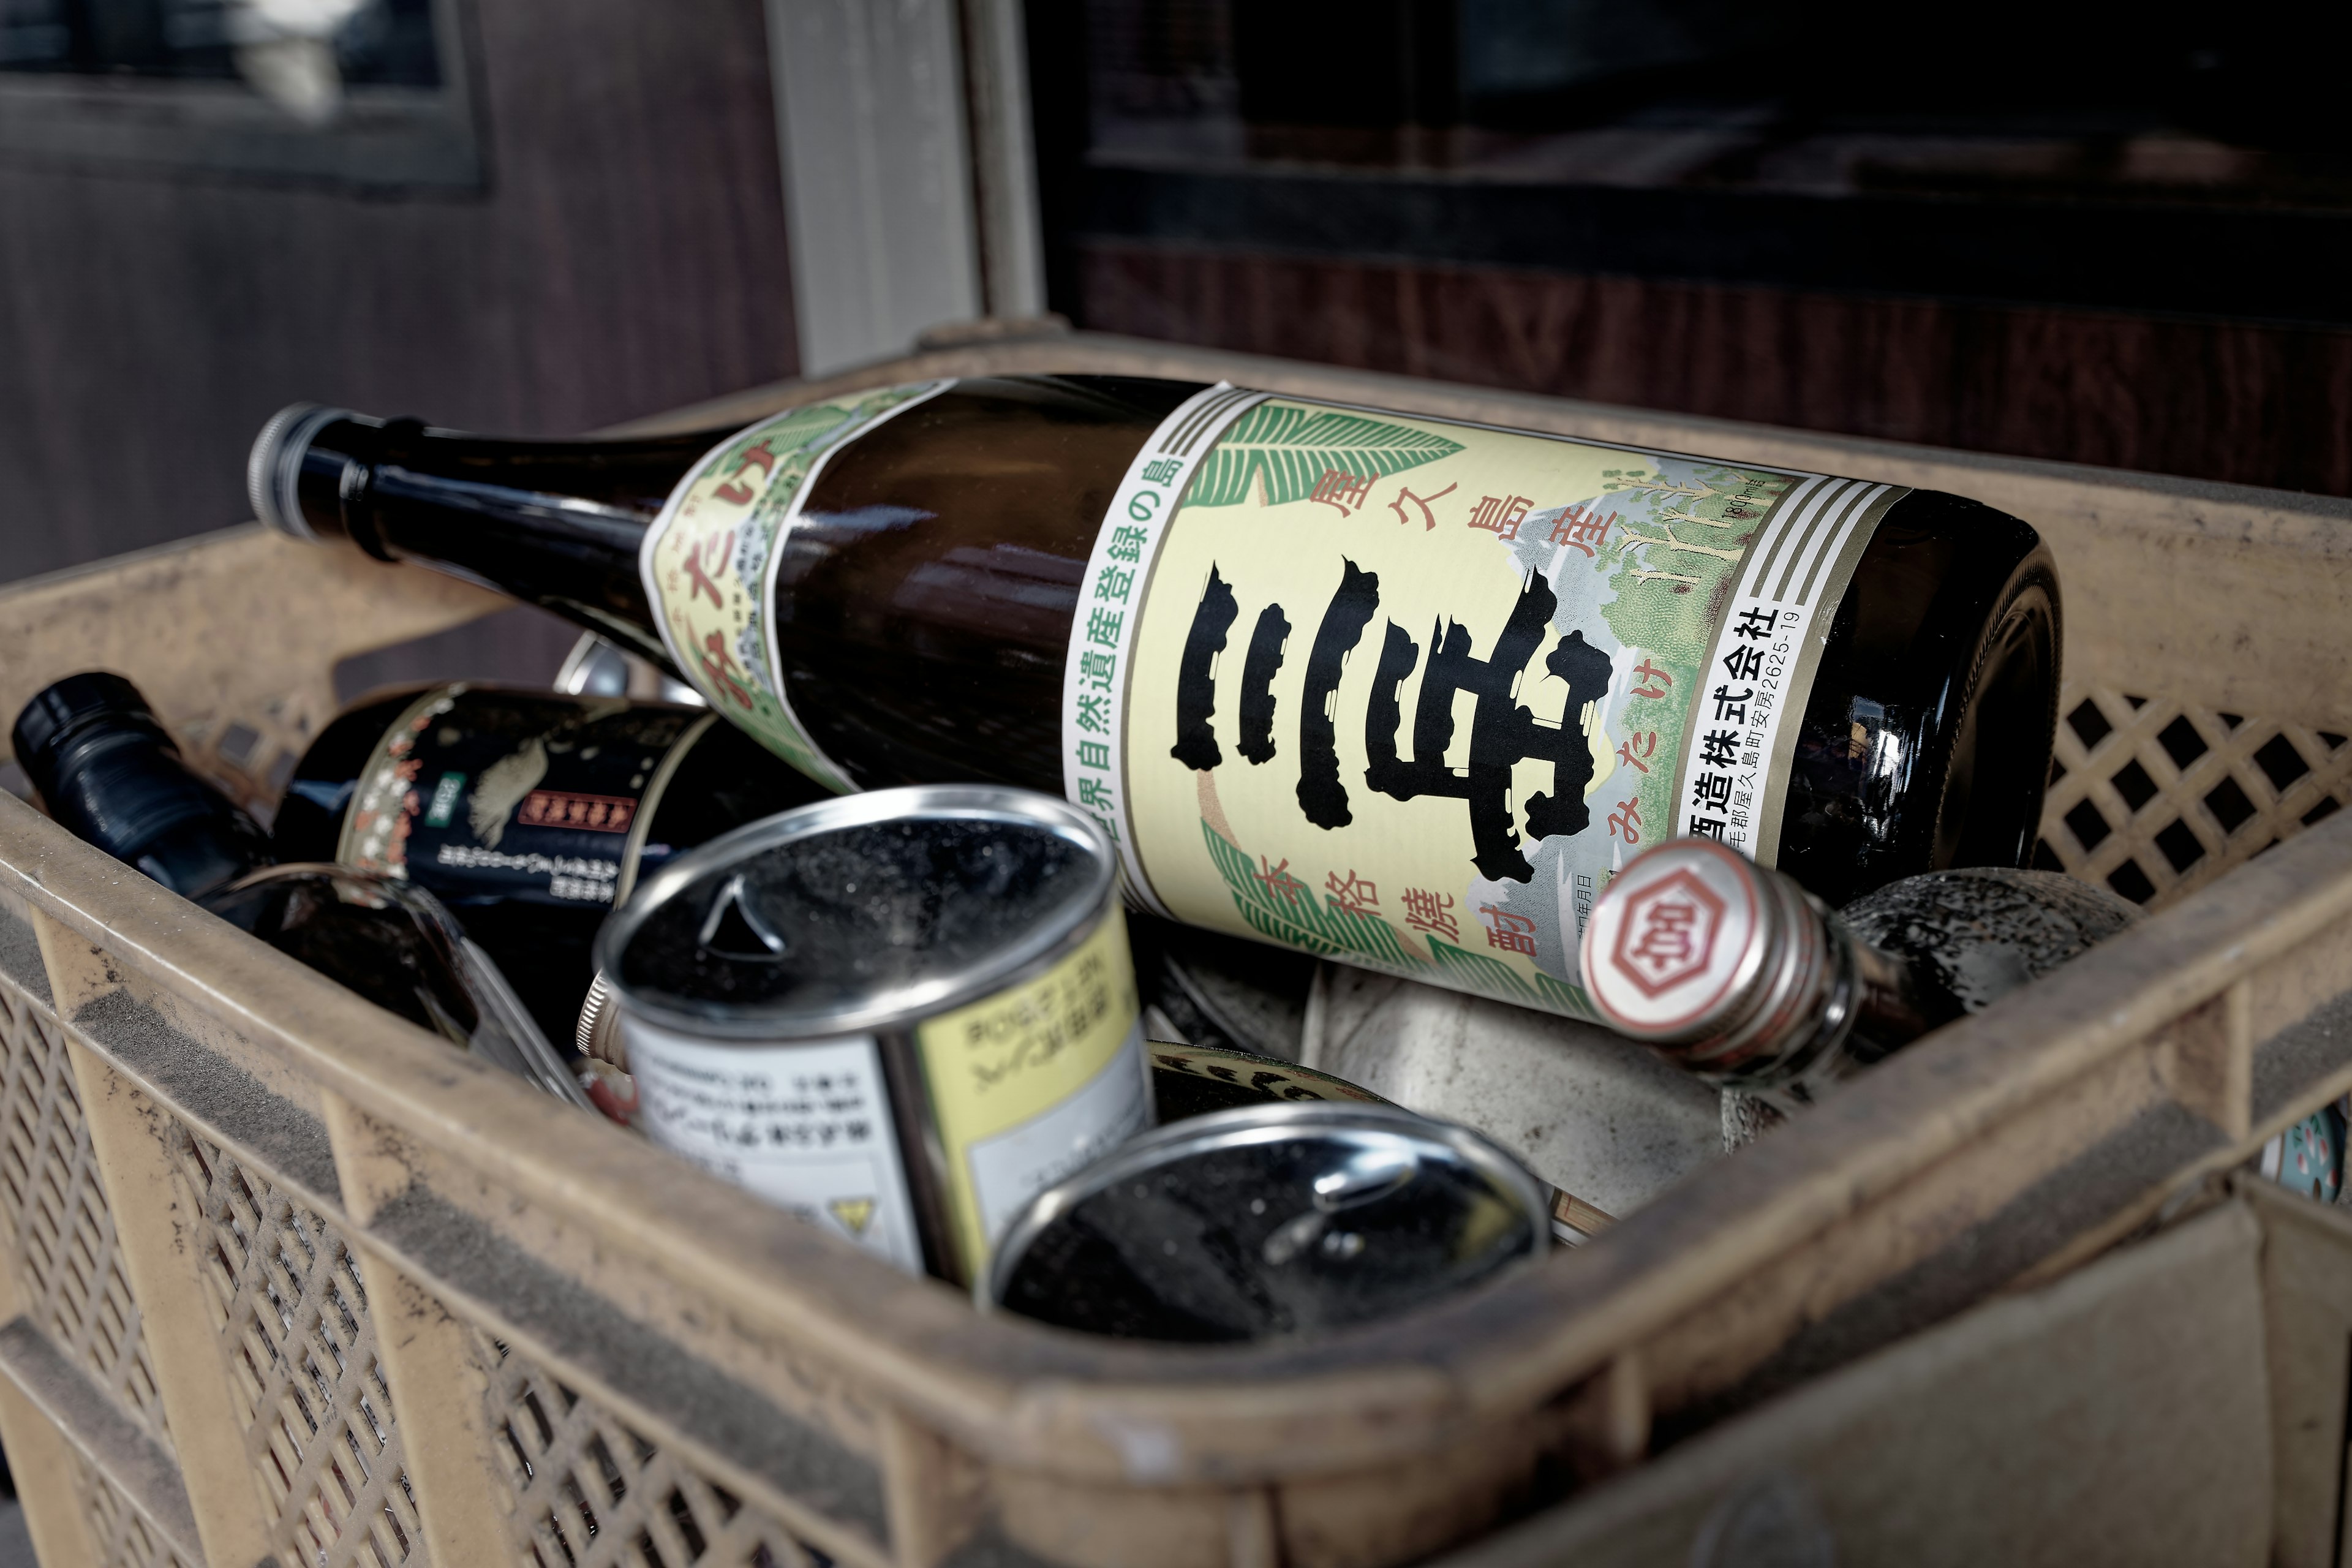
(1406, 692)
(708, 561)
(516, 796)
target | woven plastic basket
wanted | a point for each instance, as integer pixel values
(282, 1276)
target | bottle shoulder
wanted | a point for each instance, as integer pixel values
(1972, 936)
(924, 598)
(1924, 740)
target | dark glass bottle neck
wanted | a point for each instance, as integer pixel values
(554, 523)
(1894, 1003)
(119, 783)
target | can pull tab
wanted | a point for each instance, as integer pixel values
(1367, 1177)
(734, 927)
(1367, 1174)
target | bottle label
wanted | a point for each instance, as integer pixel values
(1407, 692)
(1034, 1082)
(515, 796)
(806, 1127)
(708, 560)
(1260, 1075)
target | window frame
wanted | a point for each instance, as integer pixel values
(385, 136)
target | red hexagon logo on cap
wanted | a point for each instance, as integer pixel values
(1667, 934)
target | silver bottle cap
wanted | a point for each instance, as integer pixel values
(1719, 962)
(275, 464)
(598, 1032)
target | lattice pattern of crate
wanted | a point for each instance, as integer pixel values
(294, 1324)
(2155, 800)
(58, 1233)
(589, 1491)
(119, 1537)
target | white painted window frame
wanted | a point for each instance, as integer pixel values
(910, 184)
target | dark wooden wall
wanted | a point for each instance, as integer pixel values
(628, 255)
(2253, 404)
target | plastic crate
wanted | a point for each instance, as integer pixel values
(286, 1278)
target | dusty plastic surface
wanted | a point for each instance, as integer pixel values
(1589, 1110)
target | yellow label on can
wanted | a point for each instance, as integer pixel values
(1034, 1082)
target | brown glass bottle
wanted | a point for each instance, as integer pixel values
(926, 599)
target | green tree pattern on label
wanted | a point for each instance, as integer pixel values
(1289, 450)
(1678, 559)
(1282, 909)
(1286, 910)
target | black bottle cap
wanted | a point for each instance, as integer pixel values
(59, 710)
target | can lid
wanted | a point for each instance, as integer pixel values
(1271, 1220)
(856, 913)
(1675, 943)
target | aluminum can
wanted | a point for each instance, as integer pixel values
(1199, 1080)
(1270, 1221)
(900, 1014)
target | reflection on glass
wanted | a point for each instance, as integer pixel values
(2064, 98)
(398, 947)
(372, 43)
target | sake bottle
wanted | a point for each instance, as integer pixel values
(528, 814)
(1395, 689)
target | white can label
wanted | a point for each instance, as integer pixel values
(806, 1127)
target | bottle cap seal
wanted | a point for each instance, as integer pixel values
(1672, 944)
(64, 706)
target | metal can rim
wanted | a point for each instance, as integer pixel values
(1248, 1124)
(999, 968)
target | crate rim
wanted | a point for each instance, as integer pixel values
(1061, 1404)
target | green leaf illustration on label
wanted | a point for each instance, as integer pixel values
(1279, 907)
(1290, 451)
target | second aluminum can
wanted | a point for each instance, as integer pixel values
(900, 1014)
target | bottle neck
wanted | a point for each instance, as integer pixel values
(121, 785)
(554, 523)
(1739, 974)
(1873, 1010)
(1832, 1004)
